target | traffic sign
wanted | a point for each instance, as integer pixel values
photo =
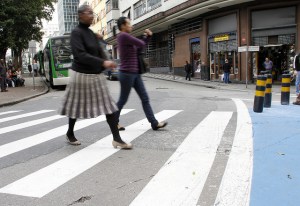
(250, 48)
(242, 49)
(253, 48)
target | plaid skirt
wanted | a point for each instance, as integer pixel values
(87, 96)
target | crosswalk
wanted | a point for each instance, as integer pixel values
(179, 181)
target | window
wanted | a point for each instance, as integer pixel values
(153, 4)
(108, 6)
(110, 26)
(112, 4)
(115, 4)
(140, 9)
(127, 13)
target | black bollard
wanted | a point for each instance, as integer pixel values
(285, 89)
(260, 94)
(268, 93)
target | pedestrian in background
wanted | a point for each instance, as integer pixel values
(268, 65)
(35, 68)
(296, 66)
(226, 70)
(129, 75)
(3, 76)
(87, 95)
(188, 70)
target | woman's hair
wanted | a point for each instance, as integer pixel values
(121, 21)
(83, 8)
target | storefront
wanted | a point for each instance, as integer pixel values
(276, 37)
(222, 44)
(195, 53)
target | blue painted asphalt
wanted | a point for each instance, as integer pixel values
(276, 162)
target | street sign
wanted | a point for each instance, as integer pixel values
(250, 48)
(242, 49)
(253, 48)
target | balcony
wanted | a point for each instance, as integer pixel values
(113, 14)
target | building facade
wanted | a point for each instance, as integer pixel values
(206, 32)
(100, 23)
(50, 28)
(67, 15)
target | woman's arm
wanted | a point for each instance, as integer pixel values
(131, 40)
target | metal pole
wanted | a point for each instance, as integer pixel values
(33, 73)
(247, 67)
(173, 66)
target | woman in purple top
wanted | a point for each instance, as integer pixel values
(129, 75)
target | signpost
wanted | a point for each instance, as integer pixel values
(247, 49)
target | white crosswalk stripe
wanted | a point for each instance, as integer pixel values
(49, 178)
(34, 140)
(29, 124)
(181, 180)
(237, 178)
(24, 115)
(9, 112)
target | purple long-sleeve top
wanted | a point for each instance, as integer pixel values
(128, 47)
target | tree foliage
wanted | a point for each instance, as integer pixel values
(21, 22)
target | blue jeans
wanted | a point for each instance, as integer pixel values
(298, 82)
(129, 80)
(226, 77)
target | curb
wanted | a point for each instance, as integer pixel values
(199, 84)
(45, 91)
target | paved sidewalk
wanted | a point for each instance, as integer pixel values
(20, 94)
(210, 84)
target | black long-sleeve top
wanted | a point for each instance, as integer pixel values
(88, 55)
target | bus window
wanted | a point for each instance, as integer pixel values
(62, 54)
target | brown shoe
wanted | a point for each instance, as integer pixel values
(121, 145)
(120, 128)
(296, 103)
(160, 125)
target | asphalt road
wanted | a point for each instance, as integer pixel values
(183, 164)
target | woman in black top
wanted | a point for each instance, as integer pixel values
(87, 95)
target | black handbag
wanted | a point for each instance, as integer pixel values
(143, 66)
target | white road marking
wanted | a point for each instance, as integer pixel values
(236, 183)
(34, 140)
(51, 177)
(10, 112)
(29, 124)
(24, 115)
(181, 180)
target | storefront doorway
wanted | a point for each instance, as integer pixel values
(195, 55)
(281, 53)
(276, 38)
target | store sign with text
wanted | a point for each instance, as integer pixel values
(224, 37)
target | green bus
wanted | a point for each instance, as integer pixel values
(57, 60)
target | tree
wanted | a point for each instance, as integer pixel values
(22, 23)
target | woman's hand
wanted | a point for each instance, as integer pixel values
(148, 32)
(109, 64)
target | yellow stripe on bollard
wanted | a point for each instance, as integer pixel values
(286, 80)
(259, 93)
(261, 83)
(285, 89)
(268, 90)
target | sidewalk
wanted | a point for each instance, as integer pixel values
(210, 84)
(20, 94)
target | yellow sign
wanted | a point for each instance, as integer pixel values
(222, 38)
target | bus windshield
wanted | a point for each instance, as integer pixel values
(62, 53)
